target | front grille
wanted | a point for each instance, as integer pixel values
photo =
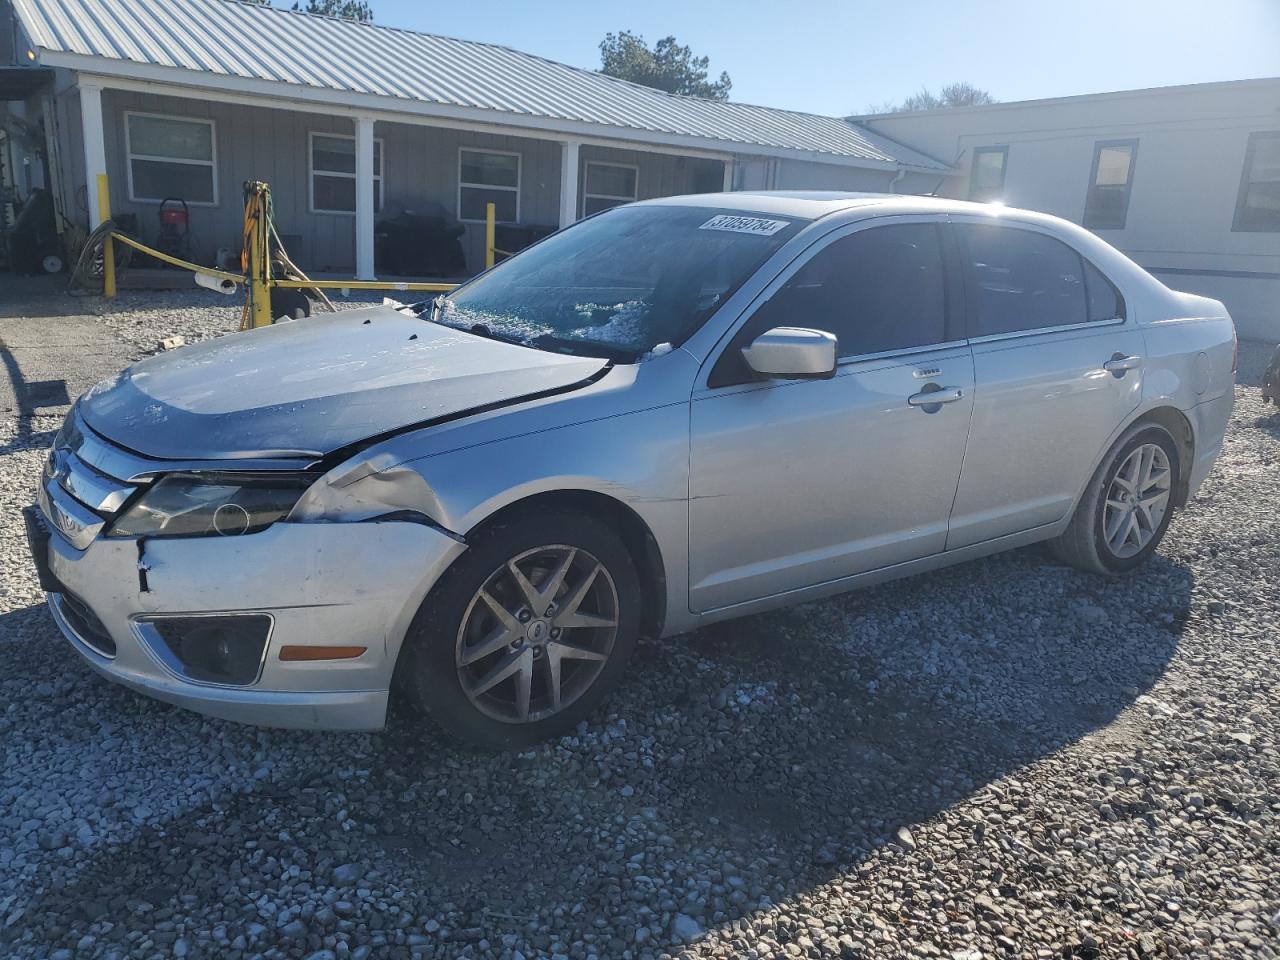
(87, 625)
(90, 469)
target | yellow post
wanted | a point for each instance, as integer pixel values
(490, 215)
(108, 251)
(259, 290)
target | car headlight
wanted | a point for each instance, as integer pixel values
(211, 505)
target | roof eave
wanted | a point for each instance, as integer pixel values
(282, 95)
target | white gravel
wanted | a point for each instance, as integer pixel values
(141, 318)
(1005, 759)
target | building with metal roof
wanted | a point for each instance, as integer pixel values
(347, 118)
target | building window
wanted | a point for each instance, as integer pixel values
(488, 176)
(986, 178)
(1258, 207)
(333, 173)
(1107, 204)
(170, 157)
(607, 185)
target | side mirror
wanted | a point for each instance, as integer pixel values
(793, 353)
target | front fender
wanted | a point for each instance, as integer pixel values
(640, 459)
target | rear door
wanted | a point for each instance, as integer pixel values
(799, 482)
(1057, 368)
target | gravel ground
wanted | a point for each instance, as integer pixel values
(141, 318)
(1005, 759)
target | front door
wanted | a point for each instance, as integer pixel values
(800, 482)
(1058, 368)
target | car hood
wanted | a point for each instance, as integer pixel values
(309, 387)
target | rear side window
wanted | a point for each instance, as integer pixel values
(877, 290)
(1105, 302)
(1018, 280)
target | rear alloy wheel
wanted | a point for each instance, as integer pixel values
(1137, 501)
(1127, 506)
(526, 633)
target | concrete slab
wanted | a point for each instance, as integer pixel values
(51, 350)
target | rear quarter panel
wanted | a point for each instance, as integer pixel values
(1191, 349)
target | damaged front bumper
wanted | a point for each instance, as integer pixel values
(297, 585)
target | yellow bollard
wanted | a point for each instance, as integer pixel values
(258, 268)
(108, 249)
(490, 215)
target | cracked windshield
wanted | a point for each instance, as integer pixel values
(628, 283)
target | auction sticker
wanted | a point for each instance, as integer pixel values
(737, 224)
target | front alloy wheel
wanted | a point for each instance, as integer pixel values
(527, 632)
(537, 634)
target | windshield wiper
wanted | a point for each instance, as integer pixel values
(484, 330)
(585, 348)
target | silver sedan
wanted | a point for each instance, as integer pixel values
(672, 413)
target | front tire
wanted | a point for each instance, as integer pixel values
(526, 633)
(1126, 509)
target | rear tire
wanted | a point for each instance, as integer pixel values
(289, 304)
(563, 643)
(1126, 508)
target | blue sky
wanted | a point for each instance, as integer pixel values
(839, 57)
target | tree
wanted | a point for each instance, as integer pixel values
(668, 66)
(344, 9)
(962, 94)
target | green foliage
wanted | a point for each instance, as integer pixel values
(668, 66)
(960, 94)
(345, 9)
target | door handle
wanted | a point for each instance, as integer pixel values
(927, 398)
(1120, 363)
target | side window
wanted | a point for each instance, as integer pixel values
(1020, 280)
(878, 289)
(1105, 302)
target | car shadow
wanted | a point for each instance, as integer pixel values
(34, 399)
(740, 766)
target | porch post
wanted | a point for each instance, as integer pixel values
(728, 175)
(95, 149)
(364, 198)
(568, 182)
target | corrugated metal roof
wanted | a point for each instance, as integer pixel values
(264, 43)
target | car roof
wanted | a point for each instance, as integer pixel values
(817, 204)
(812, 204)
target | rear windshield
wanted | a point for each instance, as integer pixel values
(621, 284)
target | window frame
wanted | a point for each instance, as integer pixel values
(130, 156)
(953, 304)
(586, 195)
(973, 171)
(961, 261)
(1098, 147)
(489, 186)
(378, 173)
(1237, 223)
